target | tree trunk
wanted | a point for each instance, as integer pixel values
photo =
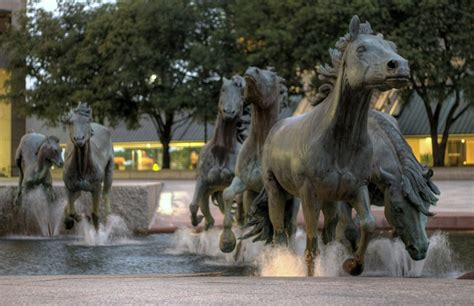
(439, 151)
(165, 139)
(166, 160)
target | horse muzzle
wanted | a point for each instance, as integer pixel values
(417, 252)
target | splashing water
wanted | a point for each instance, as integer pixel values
(113, 232)
(48, 216)
(207, 243)
(385, 257)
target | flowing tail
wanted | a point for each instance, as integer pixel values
(259, 220)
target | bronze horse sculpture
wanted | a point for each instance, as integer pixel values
(399, 183)
(216, 165)
(34, 157)
(89, 163)
(264, 90)
(325, 155)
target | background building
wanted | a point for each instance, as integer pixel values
(12, 127)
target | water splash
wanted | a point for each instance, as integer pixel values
(113, 232)
(385, 257)
(186, 240)
(48, 215)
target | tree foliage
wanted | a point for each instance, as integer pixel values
(165, 59)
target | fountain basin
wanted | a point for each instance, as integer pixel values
(134, 202)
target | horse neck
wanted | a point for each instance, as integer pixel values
(225, 137)
(262, 120)
(347, 114)
(82, 158)
(42, 165)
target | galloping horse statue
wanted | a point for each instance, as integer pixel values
(264, 90)
(399, 183)
(218, 158)
(34, 157)
(89, 163)
(325, 155)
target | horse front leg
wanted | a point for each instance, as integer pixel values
(95, 208)
(330, 212)
(227, 238)
(70, 215)
(355, 266)
(17, 200)
(108, 178)
(311, 209)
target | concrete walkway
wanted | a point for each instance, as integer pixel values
(455, 209)
(193, 290)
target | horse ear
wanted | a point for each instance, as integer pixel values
(66, 118)
(387, 178)
(238, 81)
(354, 27)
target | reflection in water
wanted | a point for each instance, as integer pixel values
(188, 252)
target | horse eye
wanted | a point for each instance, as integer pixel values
(398, 210)
(361, 49)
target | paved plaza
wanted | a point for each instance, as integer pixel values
(192, 290)
(455, 208)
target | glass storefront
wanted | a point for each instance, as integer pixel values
(148, 157)
(459, 151)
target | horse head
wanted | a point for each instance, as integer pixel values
(263, 86)
(408, 219)
(51, 151)
(231, 99)
(371, 61)
(79, 124)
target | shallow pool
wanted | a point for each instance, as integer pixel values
(186, 252)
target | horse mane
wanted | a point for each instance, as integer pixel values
(417, 185)
(327, 74)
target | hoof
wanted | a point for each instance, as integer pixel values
(227, 241)
(68, 223)
(196, 219)
(95, 221)
(353, 267)
(209, 225)
(70, 220)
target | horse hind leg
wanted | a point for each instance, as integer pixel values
(199, 191)
(276, 208)
(204, 206)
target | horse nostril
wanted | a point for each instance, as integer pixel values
(392, 64)
(412, 249)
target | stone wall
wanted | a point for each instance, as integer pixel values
(134, 203)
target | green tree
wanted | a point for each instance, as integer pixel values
(437, 38)
(127, 60)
